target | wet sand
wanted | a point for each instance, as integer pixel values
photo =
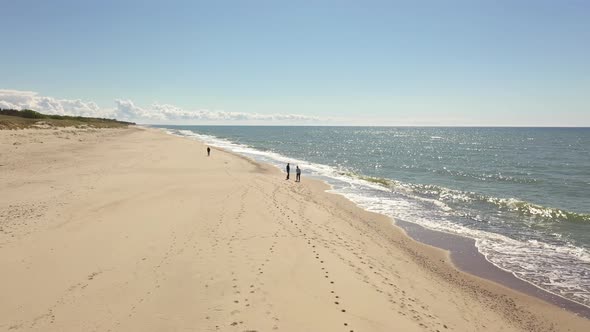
(467, 258)
(136, 230)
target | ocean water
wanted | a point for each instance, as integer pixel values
(523, 194)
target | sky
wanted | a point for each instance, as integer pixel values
(431, 63)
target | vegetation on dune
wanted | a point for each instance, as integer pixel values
(14, 119)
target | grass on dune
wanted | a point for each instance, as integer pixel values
(14, 119)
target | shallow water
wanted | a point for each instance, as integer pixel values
(522, 193)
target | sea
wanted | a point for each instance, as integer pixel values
(523, 194)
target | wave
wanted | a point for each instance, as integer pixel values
(539, 212)
(486, 176)
(526, 209)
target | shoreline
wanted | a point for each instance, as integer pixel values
(465, 256)
(137, 229)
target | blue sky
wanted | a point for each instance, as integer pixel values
(328, 62)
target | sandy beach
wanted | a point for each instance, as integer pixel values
(137, 230)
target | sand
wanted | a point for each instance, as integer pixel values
(137, 230)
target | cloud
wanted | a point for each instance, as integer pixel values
(127, 110)
(16, 99)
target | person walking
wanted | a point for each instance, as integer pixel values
(208, 151)
(297, 174)
(288, 171)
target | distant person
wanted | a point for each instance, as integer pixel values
(208, 151)
(297, 174)
(288, 171)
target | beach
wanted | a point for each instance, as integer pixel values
(137, 230)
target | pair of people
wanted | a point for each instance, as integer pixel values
(297, 172)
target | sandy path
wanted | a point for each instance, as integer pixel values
(135, 230)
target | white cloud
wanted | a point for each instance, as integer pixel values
(127, 110)
(16, 99)
(163, 112)
(176, 113)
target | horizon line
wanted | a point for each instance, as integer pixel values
(371, 126)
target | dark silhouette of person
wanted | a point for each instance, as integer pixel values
(288, 171)
(208, 151)
(297, 174)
